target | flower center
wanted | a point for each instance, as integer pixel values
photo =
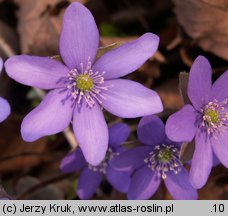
(164, 158)
(102, 167)
(214, 115)
(84, 82)
(165, 155)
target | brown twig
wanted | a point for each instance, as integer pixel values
(10, 157)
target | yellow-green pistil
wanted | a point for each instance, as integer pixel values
(213, 115)
(84, 82)
(164, 158)
(165, 155)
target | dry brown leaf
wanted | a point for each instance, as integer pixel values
(217, 185)
(206, 21)
(40, 25)
(11, 144)
(169, 94)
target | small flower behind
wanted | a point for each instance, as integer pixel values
(206, 120)
(81, 87)
(91, 176)
(158, 159)
(4, 105)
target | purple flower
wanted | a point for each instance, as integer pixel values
(157, 160)
(205, 119)
(81, 86)
(92, 176)
(4, 105)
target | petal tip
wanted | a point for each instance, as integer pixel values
(26, 133)
(1, 64)
(5, 109)
(95, 159)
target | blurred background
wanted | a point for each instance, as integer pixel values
(186, 29)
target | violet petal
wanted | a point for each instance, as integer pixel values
(180, 126)
(74, 161)
(202, 160)
(50, 117)
(91, 132)
(129, 99)
(128, 57)
(220, 88)
(40, 72)
(179, 185)
(79, 38)
(220, 146)
(151, 130)
(1, 65)
(130, 159)
(144, 184)
(119, 180)
(88, 183)
(118, 134)
(4, 109)
(199, 84)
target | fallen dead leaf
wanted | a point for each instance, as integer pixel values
(205, 21)
(40, 25)
(11, 144)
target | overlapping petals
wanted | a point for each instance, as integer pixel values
(147, 166)
(79, 41)
(197, 121)
(91, 175)
(74, 161)
(119, 180)
(88, 183)
(180, 187)
(144, 184)
(131, 159)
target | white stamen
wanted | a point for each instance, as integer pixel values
(90, 95)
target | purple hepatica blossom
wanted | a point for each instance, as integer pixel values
(81, 86)
(205, 119)
(91, 176)
(4, 105)
(157, 160)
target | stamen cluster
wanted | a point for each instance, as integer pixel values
(164, 158)
(215, 115)
(86, 84)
